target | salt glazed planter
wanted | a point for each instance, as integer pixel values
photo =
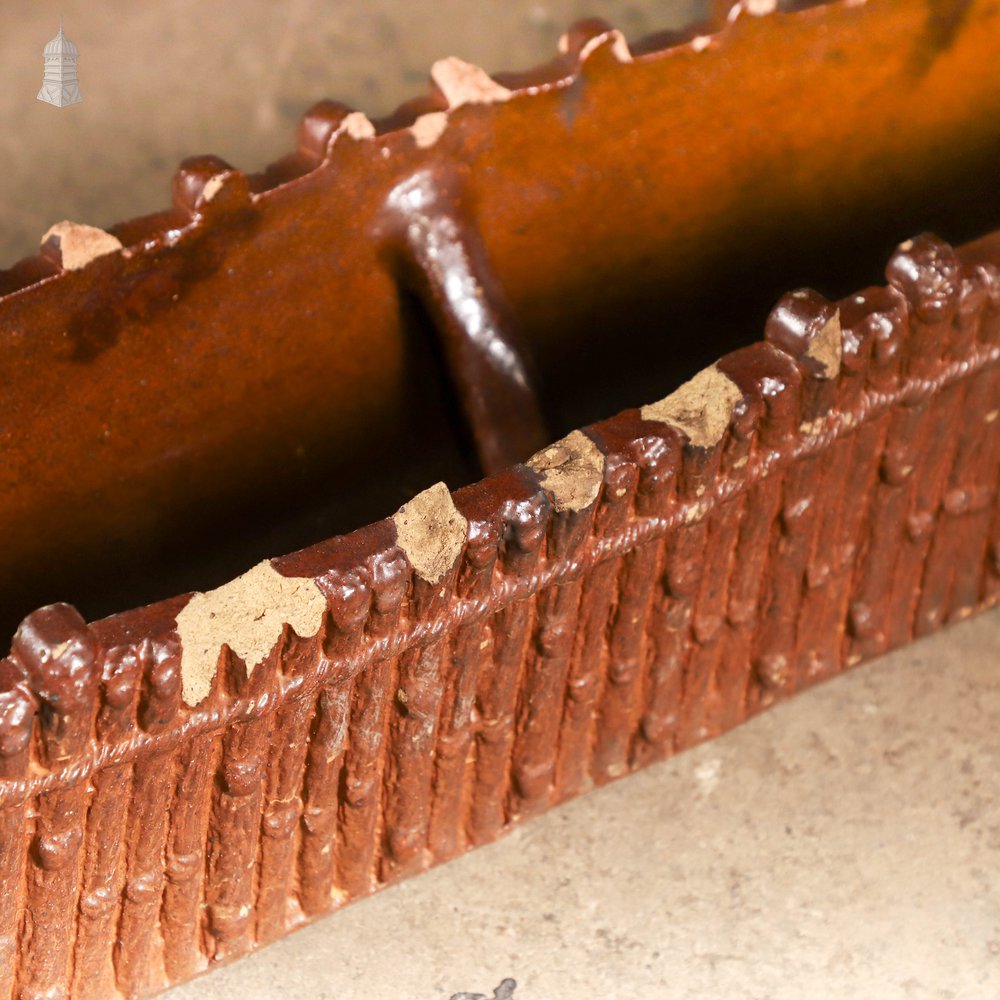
(187, 781)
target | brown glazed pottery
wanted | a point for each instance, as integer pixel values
(280, 358)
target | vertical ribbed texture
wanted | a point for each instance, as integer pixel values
(706, 581)
(957, 500)
(841, 505)
(455, 758)
(656, 451)
(187, 845)
(621, 667)
(882, 529)
(849, 469)
(773, 645)
(928, 440)
(798, 325)
(525, 518)
(104, 850)
(541, 693)
(17, 714)
(139, 963)
(282, 811)
(587, 667)
(770, 382)
(60, 657)
(364, 761)
(974, 564)
(682, 575)
(413, 722)
(349, 594)
(711, 629)
(235, 823)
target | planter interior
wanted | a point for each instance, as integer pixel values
(634, 239)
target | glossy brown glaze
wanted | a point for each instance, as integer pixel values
(439, 255)
(257, 337)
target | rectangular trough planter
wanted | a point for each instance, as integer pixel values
(187, 781)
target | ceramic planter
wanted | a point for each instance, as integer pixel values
(187, 781)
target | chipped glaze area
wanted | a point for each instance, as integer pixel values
(75, 245)
(701, 408)
(571, 470)
(248, 615)
(464, 83)
(427, 129)
(431, 532)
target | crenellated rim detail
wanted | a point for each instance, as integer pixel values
(753, 417)
(455, 84)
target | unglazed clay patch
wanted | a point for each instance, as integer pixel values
(826, 348)
(464, 83)
(427, 129)
(79, 244)
(247, 615)
(701, 407)
(572, 470)
(431, 532)
(212, 187)
(357, 126)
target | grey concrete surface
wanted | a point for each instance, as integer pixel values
(843, 845)
(162, 81)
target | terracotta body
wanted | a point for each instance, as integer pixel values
(348, 715)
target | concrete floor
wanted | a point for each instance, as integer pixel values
(845, 844)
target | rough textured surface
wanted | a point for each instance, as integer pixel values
(463, 83)
(358, 126)
(488, 654)
(825, 349)
(431, 532)
(425, 719)
(844, 845)
(76, 245)
(572, 470)
(701, 408)
(247, 615)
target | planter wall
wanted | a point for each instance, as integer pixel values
(185, 782)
